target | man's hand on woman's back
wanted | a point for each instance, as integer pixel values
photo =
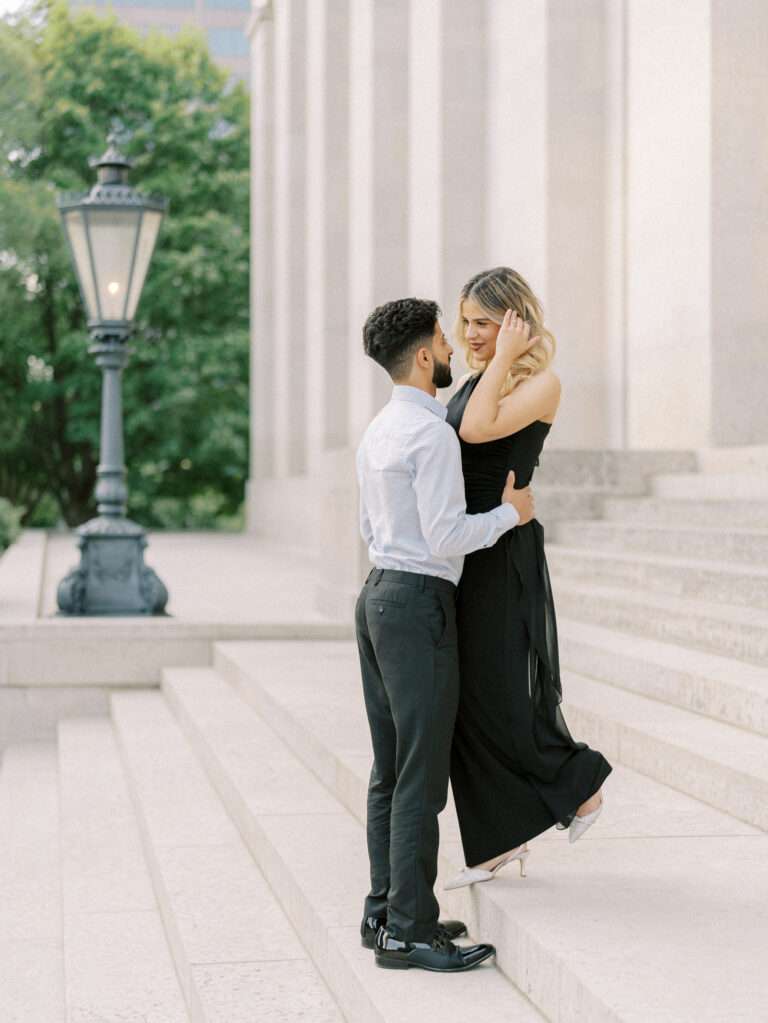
(521, 499)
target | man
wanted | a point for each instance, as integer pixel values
(413, 517)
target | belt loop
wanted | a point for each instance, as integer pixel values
(423, 582)
(379, 574)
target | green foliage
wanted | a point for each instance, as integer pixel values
(10, 523)
(71, 78)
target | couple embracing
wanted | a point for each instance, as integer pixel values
(455, 623)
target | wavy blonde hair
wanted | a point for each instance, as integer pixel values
(495, 291)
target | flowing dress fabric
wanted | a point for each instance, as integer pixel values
(516, 770)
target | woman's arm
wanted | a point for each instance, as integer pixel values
(535, 397)
(488, 418)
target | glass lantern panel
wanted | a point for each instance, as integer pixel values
(113, 237)
(150, 225)
(75, 228)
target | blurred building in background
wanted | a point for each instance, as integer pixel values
(223, 23)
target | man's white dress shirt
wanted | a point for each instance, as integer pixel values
(413, 513)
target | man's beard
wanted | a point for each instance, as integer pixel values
(441, 374)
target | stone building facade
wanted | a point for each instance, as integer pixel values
(612, 151)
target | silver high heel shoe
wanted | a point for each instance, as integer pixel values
(472, 875)
(580, 824)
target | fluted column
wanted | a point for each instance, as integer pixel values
(262, 416)
(327, 225)
(447, 130)
(516, 181)
(739, 218)
(378, 194)
(668, 229)
(615, 249)
(574, 291)
(288, 326)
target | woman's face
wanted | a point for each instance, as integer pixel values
(479, 330)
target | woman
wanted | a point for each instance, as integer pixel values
(515, 768)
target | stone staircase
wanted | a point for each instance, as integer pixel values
(199, 855)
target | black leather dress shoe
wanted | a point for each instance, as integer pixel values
(439, 955)
(371, 924)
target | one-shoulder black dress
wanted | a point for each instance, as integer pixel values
(515, 768)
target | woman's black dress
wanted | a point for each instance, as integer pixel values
(515, 768)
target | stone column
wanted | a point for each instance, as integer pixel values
(516, 180)
(377, 255)
(669, 363)
(615, 249)
(262, 361)
(739, 293)
(287, 330)
(574, 293)
(378, 194)
(327, 189)
(425, 137)
(447, 130)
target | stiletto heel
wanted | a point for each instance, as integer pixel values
(473, 875)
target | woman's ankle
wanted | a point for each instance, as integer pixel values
(591, 804)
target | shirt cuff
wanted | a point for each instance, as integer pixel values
(509, 514)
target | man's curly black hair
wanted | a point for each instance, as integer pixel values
(394, 331)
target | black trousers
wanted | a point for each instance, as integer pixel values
(407, 641)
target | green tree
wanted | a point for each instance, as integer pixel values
(66, 81)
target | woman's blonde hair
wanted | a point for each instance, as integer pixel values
(495, 291)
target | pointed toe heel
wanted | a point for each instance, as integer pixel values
(474, 875)
(580, 824)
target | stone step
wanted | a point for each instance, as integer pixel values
(715, 581)
(555, 504)
(235, 952)
(114, 651)
(31, 954)
(581, 934)
(729, 764)
(723, 766)
(312, 852)
(117, 962)
(626, 472)
(713, 543)
(668, 511)
(712, 486)
(724, 629)
(749, 457)
(717, 687)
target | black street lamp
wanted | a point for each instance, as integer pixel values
(111, 232)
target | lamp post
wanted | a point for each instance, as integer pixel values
(111, 232)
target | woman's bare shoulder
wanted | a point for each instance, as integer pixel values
(539, 394)
(551, 378)
(545, 382)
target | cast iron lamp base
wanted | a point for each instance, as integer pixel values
(111, 578)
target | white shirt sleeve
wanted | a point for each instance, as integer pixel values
(439, 486)
(365, 523)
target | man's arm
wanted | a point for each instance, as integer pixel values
(439, 486)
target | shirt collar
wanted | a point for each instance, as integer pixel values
(404, 392)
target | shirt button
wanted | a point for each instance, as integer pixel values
(381, 610)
